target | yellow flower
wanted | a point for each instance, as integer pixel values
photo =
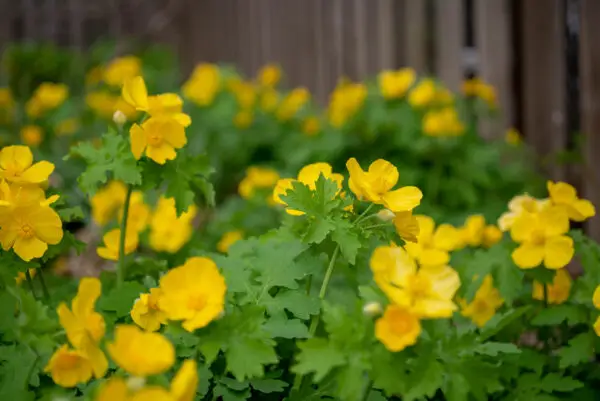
(558, 291)
(32, 135)
(203, 85)
(469, 87)
(67, 127)
(541, 238)
(193, 292)
(7, 101)
(491, 235)
(444, 122)
(22, 277)
(122, 69)
(565, 196)
(115, 389)
(596, 298)
(308, 175)
(517, 206)
(146, 313)
(107, 201)
(16, 165)
(168, 232)
(141, 353)
(28, 224)
(597, 326)
(69, 368)
(395, 84)
(269, 75)
(407, 226)
(487, 93)
(102, 103)
(426, 292)
(398, 328)
(291, 103)
(185, 382)
(257, 178)
(134, 92)
(138, 214)
(228, 239)
(245, 92)
(158, 137)
(512, 137)
(311, 126)
(376, 185)
(485, 304)
(423, 94)
(345, 101)
(269, 99)
(111, 239)
(243, 119)
(94, 76)
(46, 97)
(476, 233)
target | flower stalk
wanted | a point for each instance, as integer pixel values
(121, 261)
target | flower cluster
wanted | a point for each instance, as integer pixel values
(477, 88)
(257, 180)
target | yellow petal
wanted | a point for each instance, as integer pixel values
(445, 237)
(185, 382)
(38, 173)
(561, 192)
(434, 257)
(160, 154)
(309, 174)
(558, 252)
(403, 199)
(29, 248)
(397, 328)
(138, 141)
(528, 256)
(385, 174)
(407, 226)
(115, 389)
(16, 154)
(596, 297)
(134, 92)
(597, 326)
(581, 210)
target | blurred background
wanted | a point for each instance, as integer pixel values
(542, 56)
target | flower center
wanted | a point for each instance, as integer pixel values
(401, 323)
(12, 170)
(26, 231)
(538, 238)
(69, 361)
(480, 306)
(155, 139)
(197, 302)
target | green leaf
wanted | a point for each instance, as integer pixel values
(120, 299)
(494, 349)
(425, 379)
(281, 327)
(579, 350)
(246, 357)
(319, 356)
(268, 385)
(555, 382)
(70, 214)
(457, 387)
(296, 302)
(347, 238)
(226, 394)
(389, 371)
(500, 321)
(555, 315)
(19, 367)
(317, 230)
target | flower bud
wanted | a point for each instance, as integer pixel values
(385, 215)
(372, 309)
(136, 383)
(119, 118)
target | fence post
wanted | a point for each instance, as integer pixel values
(448, 28)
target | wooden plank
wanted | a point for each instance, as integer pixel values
(493, 30)
(385, 36)
(448, 42)
(411, 32)
(543, 79)
(590, 104)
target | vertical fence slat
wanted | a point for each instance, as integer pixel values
(544, 97)
(383, 21)
(590, 103)
(448, 41)
(412, 31)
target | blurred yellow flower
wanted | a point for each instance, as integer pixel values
(426, 292)
(146, 312)
(596, 297)
(203, 85)
(158, 137)
(345, 101)
(168, 233)
(138, 215)
(269, 75)
(558, 291)
(228, 239)
(16, 166)
(292, 103)
(476, 233)
(193, 292)
(476, 87)
(398, 328)
(185, 382)
(512, 137)
(565, 196)
(443, 122)
(375, 185)
(311, 126)
(484, 305)
(491, 235)
(46, 97)
(433, 244)
(423, 94)
(94, 76)
(517, 206)
(245, 92)
(69, 368)
(256, 179)
(66, 127)
(269, 99)
(121, 69)
(32, 135)
(395, 84)
(106, 202)
(7, 101)
(111, 247)
(407, 226)
(141, 353)
(243, 119)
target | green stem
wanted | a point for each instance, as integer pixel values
(377, 226)
(30, 284)
(308, 284)
(367, 390)
(44, 287)
(124, 218)
(364, 213)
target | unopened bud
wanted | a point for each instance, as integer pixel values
(372, 309)
(119, 118)
(136, 383)
(385, 215)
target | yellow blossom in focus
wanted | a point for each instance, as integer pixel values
(558, 291)
(22, 277)
(168, 232)
(243, 119)
(426, 292)
(203, 85)
(512, 137)
(395, 84)
(46, 97)
(69, 368)
(269, 75)
(517, 206)
(541, 237)
(107, 201)
(484, 305)
(311, 126)
(16, 166)
(444, 122)
(375, 185)
(407, 226)
(291, 103)
(257, 178)
(32, 135)
(308, 175)
(138, 215)
(67, 127)
(398, 328)
(146, 313)
(111, 239)
(228, 239)
(433, 244)
(565, 196)
(193, 292)
(121, 69)
(157, 137)
(141, 353)
(345, 101)
(423, 94)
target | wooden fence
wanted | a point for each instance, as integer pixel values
(543, 56)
